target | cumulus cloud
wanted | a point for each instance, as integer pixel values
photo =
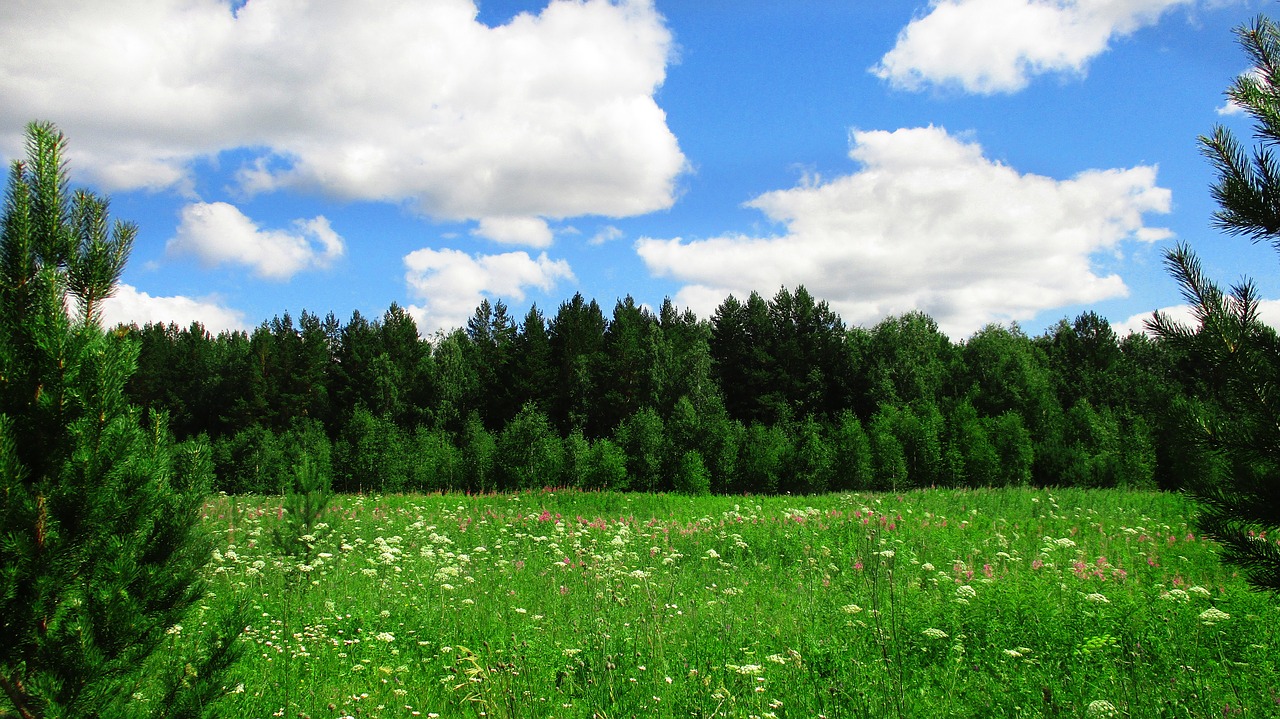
(515, 231)
(1268, 312)
(994, 46)
(404, 101)
(451, 283)
(928, 223)
(129, 305)
(216, 233)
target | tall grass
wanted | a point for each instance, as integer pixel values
(1014, 602)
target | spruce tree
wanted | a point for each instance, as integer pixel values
(100, 550)
(1237, 423)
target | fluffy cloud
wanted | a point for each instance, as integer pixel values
(216, 233)
(550, 115)
(515, 231)
(129, 305)
(927, 223)
(451, 283)
(992, 46)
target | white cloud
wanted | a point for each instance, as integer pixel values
(608, 233)
(216, 233)
(992, 46)
(927, 223)
(1268, 312)
(407, 101)
(130, 305)
(515, 231)
(451, 283)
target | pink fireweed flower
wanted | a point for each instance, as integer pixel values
(1037, 563)
(988, 571)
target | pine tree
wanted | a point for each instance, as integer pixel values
(100, 549)
(1237, 424)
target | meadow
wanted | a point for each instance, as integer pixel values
(1009, 602)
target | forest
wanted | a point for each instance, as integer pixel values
(768, 396)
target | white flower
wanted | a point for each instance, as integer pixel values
(1097, 598)
(713, 554)
(1213, 615)
(1175, 595)
(748, 669)
(385, 636)
(928, 567)
(1013, 653)
(851, 609)
(934, 633)
(965, 591)
(1198, 590)
(1101, 709)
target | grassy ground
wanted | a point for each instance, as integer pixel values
(1013, 603)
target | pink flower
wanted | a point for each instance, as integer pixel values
(1037, 563)
(987, 571)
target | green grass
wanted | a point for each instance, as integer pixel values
(1014, 603)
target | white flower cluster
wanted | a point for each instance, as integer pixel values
(1212, 616)
(1101, 709)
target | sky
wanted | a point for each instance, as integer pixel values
(983, 161)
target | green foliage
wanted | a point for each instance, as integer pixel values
(641, 436)
(370, 455)
(1241, 505)
(850, 454)
(529, 452)
(691, 476)
(100, 547)
(300, 528)
(760, 459)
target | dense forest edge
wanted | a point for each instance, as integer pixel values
(767, 396)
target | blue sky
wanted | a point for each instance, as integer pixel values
(980, 160)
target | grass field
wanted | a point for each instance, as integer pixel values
(1012, 603)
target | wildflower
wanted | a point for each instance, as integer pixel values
(746, 669)
(1013, 653)
(387, 637)
(1175, 595)
(965, 591)
(928, 567)
(1198, 590)
(521, 610)
(851, 609)
(1097, 598)
(934, 633)
(1212, 616)
(713, 554)
(1101, 709)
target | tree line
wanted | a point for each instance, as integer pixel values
(766, 396)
